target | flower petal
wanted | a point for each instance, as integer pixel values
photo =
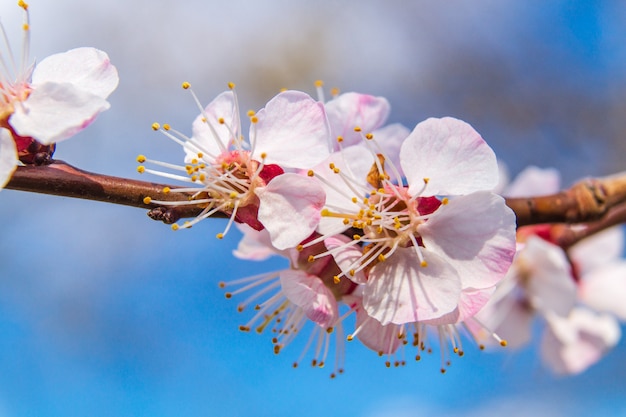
(8, 157)
(350, 110)
(54, 112)
(292, 131)
(604, 289)
(88, 69)
(208, 134)
(451, 154)
(533, 181)
(570, 345)
(476, 235)
(598, 250)
(290, 208)
(346, 256)
(255, 245)
(309, 293)
(400, 291)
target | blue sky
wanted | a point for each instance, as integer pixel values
(104, 312)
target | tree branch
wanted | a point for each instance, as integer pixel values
(589, 200)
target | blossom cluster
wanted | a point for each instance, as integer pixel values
(399, 227)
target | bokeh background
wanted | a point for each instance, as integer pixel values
(104, 312)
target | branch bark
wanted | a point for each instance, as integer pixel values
(589, 200)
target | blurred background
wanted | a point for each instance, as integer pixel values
(104, 312)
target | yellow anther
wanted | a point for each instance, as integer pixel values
(356, 237)
(350, 338)
(299, 248)
(231, 85)
(221, 284)
(25, 26)
(339, 139)
(220, 120)
(355, 200)
(426, 180)
(263, 155)
(186, 85)
(311, 258)
(23, 4)
(334, 91)
(156, 126)
(336, 279)
(282, 89)
(166, 190)
(194, 161)
(319, 83)
(147, 200)
(166, 126)
(202, 177)
(445, 201)
(254, 119)
(325, 212)
(194, 178)
(141, 159)
(346, 221)
(233, 194)
(250, 113)
(310, 173)
(423, 264)
(357, 128)
(331, 165)
(220, 235)
(204, 119)
(200, 155)
(352, 272)
(503, 343)
(369, 136)
(141, 169)
(381, 258)
(175, 226)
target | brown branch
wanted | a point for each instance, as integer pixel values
(65, 180)
(588, 200)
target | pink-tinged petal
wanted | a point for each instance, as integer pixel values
(550, 285)
(571, 345)
(451, 154)
(54, 112)
(212, 136)
(354, 162)
(309, 293)
(472, 301)
(476, 235)
(292, 131)
(8, 157)
(507, 317)
(533, 181)
(290, 208)
(401, 291)
(254, 245)
(350, 110)
(88, 69)
(598, 250)
(604, 289)
(381, 339)
(390, 139)
(346, 257)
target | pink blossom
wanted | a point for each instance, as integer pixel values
(428, 241)
(248, 179)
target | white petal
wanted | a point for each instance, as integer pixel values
(88, 69)
(604, 289)
(400, 291)
(570, 345)
(290, 208)
(309, 293)
(533, 181)
(214, 141)
(346, 257)
(598, 250)
(54, 112)
(355, 163)
(8, 157)
(550, 286)
(292, 130)
(475, 234)
(452, 155)
(472, 301)
(255, 245)
(390, 138)
(350, 110)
